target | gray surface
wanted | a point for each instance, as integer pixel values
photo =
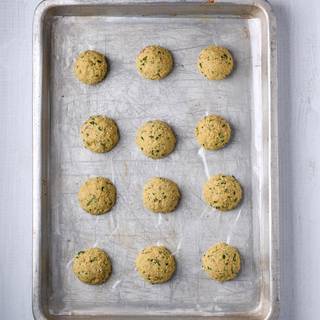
(128, 228)
(299, 156)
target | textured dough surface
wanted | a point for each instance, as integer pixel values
(222, 192)
(97, 195)
(92, 266)
(154, 62)
(99, 134)
(161, 195)
(221, 262)
(215, 63)
(155, 264)
(213, 132)
(90, 67)
(156, 139)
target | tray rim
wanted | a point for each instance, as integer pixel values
(39, 188)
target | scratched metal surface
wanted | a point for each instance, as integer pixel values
(181, 100)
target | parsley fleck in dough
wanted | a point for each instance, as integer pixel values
(221, 262)
(215, 63)
(156, 139)
(155, 264)
(97, 195)
(99, 134)
(213, 132)
(154, 62)
(161, 195)
(91, 67)
(92, 266)
(222, 192)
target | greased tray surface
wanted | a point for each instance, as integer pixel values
(62, 104)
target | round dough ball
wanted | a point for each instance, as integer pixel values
(156, 139)
(221, 262)
(92, 266)
(215, 63)
(97, 195)
(222, 192)
(161, 195)
(154, 62)
(99, 134)
(213, 132)
(90, 67)
(155, 264)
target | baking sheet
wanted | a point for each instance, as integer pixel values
(181, 100)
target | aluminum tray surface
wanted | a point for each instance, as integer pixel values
(61, 104)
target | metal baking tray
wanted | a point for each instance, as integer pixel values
(63, 28)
